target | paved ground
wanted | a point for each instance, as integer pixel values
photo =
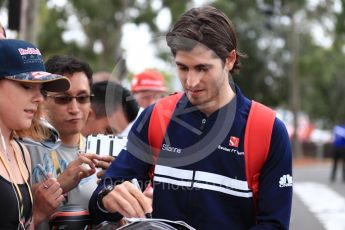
(318, 204)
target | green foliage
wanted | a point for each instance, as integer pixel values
(266, 38)
(2, 3)
(102, 24)
(50, 37)
(324, 86)
(256, 80)
(319, 68)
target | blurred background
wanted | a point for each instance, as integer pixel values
(295, 64)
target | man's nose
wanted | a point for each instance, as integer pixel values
(73, 106)
(193, 79)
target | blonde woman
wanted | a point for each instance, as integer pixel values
(22, 81)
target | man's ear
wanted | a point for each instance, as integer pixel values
(230, 60)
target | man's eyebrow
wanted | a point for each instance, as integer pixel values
(83, 92)
(80, 92)
(202, 65)
(179, 63)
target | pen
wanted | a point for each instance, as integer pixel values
(43, 171)
(136, 183)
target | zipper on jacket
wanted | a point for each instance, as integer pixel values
(193, 180)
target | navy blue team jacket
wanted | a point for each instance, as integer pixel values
(200, 173)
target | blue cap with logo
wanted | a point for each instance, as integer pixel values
(22, 61)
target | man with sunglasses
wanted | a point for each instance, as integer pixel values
(67, 112)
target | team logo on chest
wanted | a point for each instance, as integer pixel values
(234, 141)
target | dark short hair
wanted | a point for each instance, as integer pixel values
(208, 26)
(108, 96)
(66, 64)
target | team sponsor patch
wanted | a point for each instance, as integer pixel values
(29, 50)
(234, 141)
(285, 181)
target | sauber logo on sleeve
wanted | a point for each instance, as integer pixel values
(285, 181)
(234, 141)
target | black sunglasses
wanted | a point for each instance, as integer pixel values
(65, 99)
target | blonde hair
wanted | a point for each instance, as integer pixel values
(37, 131)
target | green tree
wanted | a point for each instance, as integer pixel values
(264, 34)
(102, 24)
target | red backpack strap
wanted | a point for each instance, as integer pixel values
(257, 141)
(159, 121)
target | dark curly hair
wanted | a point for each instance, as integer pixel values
(67, 64)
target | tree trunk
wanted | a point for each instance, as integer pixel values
(28, 20)
(295, 88)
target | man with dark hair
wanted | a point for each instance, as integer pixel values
(67, 112)
(69, 65)
(199, 173)
(113, 108)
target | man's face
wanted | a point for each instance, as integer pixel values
(113, 124)
(202, 75)
(147, 97)
(69, 118)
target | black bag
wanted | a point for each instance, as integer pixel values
(70, 217)
(146, 224)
